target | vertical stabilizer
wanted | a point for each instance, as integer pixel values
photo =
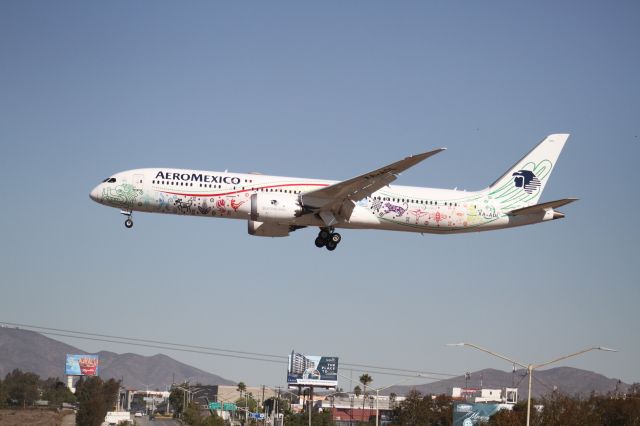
(523, 184)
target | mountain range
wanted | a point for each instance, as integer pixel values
(39, 354)
(34, 352)
(568, 380)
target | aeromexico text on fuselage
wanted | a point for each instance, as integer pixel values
(198, 177)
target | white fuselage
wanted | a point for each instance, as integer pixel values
(229, 195)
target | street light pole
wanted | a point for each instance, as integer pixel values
(530, 373)
(531, 367)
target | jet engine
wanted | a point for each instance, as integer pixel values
(275, 207)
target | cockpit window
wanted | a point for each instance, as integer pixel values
(104, 181)
(112, 180)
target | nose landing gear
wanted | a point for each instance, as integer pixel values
(327, 238)
(129, 222)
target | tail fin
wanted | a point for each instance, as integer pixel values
(523, 184)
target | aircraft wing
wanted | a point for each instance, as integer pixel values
(542, 206)
(338, 199)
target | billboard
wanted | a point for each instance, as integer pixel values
(468, 414)
(81, 365)
(309, 370)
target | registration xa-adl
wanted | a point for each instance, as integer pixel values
(274, 206)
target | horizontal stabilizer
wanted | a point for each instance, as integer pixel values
(542, 206)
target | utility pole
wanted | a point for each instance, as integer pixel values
(310, 403)
(278, 406)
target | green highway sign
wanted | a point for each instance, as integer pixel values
(215, 406)
(228, 406)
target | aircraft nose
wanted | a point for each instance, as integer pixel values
(95, 194)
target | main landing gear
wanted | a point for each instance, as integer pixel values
(327, 238)
(129, 222)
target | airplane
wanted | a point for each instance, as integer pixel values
(275, 206)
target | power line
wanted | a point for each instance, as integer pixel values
(136, 339)
(213, 351)
(401, 369)
(48, 333)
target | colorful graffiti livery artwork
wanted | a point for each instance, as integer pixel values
(123, 195)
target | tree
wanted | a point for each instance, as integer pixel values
(56, 392)
(249, 403)
(392, 400)
(365, 379)
(3, 395)
(417, 409)
(248, 399)
(241, 388)
(193, 416)
(411, 411)
(442, 409)
(317, 419)
(279, 403)
(176, 400)
(22, 387)
(95, 398)
(358, 391)
(517, 416)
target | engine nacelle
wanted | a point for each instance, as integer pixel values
(268, 229)
(275, 207)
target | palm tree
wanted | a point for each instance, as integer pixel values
(241, 388)
(365, 379)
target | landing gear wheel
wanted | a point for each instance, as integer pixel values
(331, 245)
(128, 223)
(336, 238)
(320, 242)
(324, 234)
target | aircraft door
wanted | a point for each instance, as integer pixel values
(138, 181)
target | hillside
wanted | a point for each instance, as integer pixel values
(34, 352)
(571, 381)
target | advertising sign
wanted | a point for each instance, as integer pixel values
(81, 365)
(469, 414)
(309, 370)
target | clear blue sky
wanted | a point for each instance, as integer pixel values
(326, 90)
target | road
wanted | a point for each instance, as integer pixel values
(69, 420)
(144, 421)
